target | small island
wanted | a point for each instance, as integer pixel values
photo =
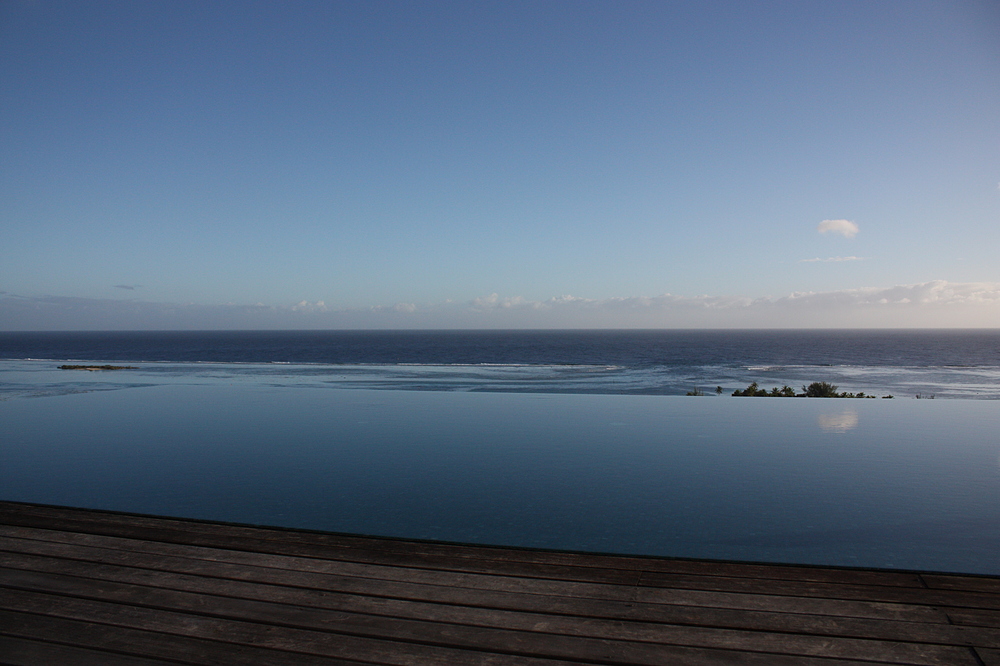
(98, 367)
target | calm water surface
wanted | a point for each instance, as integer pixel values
(882, 483)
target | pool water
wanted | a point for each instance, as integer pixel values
(877, 483)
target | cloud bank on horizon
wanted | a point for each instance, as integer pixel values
(927, 305)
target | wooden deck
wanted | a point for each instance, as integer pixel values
(89, 587)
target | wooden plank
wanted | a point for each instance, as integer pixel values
(288, 639)
(596, 575)
(104, 644)
(569, 615)
(341, 645)
(318, 564)
(347, 568)
(418, 575)
(475, 552)
(538, 635)
(892, 594)
(988, 657)
(21, 652)
(974, 617)
(826, 590)
(323, 596)
(989, 584)
(355, 546)
(450, 582)
(811, 600)
(318, 554)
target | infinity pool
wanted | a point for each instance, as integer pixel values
(877, 483)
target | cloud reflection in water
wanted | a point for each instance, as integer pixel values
(838, 422)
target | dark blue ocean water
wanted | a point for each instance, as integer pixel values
(571, 440)
(904, 363)
(634, 349)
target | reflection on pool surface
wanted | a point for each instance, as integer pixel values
(838, 422)
(901, 483)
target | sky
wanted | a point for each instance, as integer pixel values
(542, 164)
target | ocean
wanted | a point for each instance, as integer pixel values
(902, 363)
(573, 440)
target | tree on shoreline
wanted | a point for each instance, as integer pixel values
(754, 391)
(820, 390)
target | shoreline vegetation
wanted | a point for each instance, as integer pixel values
(94, 368)
(814, 390)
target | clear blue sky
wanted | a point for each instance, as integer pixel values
(436, 164)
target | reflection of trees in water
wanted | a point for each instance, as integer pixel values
(838, 422)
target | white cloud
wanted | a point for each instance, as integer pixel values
(306, 306)
(398, 307)
(494, 301)
(809, 261)
(845, 228)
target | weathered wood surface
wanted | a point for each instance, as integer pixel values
(90, 587)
